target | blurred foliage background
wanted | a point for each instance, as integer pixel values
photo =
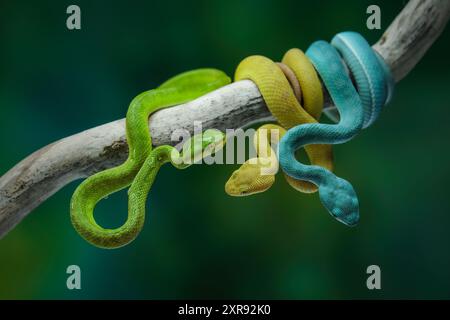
(197, 241)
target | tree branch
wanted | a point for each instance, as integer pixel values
(239, 104)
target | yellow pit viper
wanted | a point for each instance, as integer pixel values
(290, 108)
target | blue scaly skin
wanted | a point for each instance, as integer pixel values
(358, 108)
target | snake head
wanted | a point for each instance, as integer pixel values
(341, 201)
(248, 180)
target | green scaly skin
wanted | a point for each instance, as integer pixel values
(143, 162)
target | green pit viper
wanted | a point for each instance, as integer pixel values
(143, 162)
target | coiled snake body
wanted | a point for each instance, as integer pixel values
(357, 109)
(297, 108)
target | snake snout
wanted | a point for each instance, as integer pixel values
(230, 187)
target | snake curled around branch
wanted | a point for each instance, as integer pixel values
(143, 162)
(358, 108)
(297, 108)
(289, 109)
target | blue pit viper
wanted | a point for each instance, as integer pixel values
(358, 108)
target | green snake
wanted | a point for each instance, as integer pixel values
(144, 161)
(293, 93)
(359, 106)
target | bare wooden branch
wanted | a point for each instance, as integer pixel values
(44, 172)
(412, 33)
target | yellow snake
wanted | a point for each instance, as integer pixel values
(290, 108)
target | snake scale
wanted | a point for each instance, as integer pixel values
(143, 162)
(293, 93)
(282, 102)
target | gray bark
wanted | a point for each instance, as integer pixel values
(239, 104)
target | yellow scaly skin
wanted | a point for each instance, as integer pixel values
(258, 174)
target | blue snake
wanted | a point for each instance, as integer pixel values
(358, 104)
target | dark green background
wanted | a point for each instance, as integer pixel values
(197, 241)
